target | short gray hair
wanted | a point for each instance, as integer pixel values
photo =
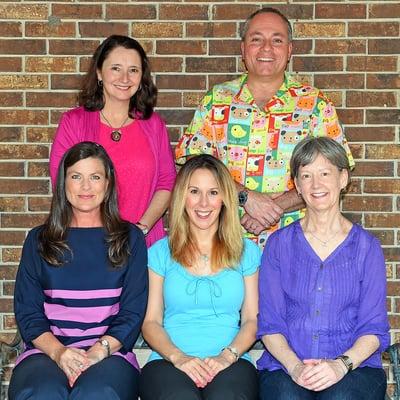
(265, 10)
(308, 150)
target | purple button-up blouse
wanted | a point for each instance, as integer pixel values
(322, 307)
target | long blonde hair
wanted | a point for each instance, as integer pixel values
(227, 243)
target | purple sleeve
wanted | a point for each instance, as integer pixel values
(372, 314)
(272, 304)
(167, 171)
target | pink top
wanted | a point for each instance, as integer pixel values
(78, 125)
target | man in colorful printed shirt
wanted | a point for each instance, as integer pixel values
(254, 122)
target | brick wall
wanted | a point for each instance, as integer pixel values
(348, 48)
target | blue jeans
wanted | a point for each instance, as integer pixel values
(39, 378)
(361, 384)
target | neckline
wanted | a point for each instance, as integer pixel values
(342, 244)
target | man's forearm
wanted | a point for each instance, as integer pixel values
(289, 201)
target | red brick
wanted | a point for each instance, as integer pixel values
(166, 64)
(77, 11)
(355, 218)
(8, 271)
(11, 99)
(317, 64)
(39, 204)
(224, 47)
(157, 30)
(340, 46)
(192, 99)
(357, 150)
(215, 79)
(50, 99)
(384, 46)
(350, 116)
(302, 46)
(371, 29)
(181, 82)
(233, 12)
(210, 29)
(187, 11)
(131, 11)
(11, 255)
(382, 116)
(176, 117)
(23, 82)
(355, 186)
(11, 238)
(373, 168)
(10, 64)
(336, 97)
(342, 81)
(368, 134)
(340, 11)
(382, 10)
(40, 135)
(391, 186)
(367, 203)
(11, 29)
(23, 11)
(6, 305)
(49, 29)
(12, 204)
(23, 151)
(22, 220)
(371, 63)
(382, 151)
(392, 254)
(24, 186)
(169, 99)
(22, 46)
(50, 64)
(382, 220)
(384, 236)
(72, 46)
(103, 29)
(22, 117)
(8, 288)
(9, 169)
(181, 47)
(210, 64)
(383, 81)
(319, 29)
(38, 169)
(66, 82)
(371, 99)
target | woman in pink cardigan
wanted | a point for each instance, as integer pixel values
(116, 110)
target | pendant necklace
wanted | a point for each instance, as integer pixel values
(205, 259)
(323, 242)
(116, 133)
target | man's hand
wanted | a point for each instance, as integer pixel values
(263, 208)
(251, 224)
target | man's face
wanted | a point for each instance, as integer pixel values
(266, 48)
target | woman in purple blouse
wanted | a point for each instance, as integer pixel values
(322, 311)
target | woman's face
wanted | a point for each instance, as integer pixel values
(320, 184)
(203, 201)
(85, 187)
(121, 74)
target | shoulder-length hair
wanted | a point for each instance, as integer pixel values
(227, 246)
(91, 94)
(52, 238)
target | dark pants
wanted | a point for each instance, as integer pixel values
(361, 384)
(39, 378)
(160, 380)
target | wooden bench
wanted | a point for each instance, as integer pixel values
(9, 351)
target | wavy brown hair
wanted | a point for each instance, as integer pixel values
(53, 246)
(91, 95)
(227, 246)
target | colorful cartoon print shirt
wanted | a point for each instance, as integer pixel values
(256, 144)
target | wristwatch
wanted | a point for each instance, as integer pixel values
(106, 345)
(346, 360)
(242, 196)
(144, 228)
(233, 351)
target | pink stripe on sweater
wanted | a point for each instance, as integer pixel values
(68, 332)
(80, 314)
(83, 294)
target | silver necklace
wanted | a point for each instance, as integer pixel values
(116, 133)
(324, 242)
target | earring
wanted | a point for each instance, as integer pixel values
(100, 83)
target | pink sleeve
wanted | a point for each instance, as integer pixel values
(167, 171)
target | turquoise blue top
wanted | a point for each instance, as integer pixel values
(202, 313)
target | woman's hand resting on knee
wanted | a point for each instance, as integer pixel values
(194, 367)
(219, 362)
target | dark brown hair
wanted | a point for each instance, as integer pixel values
(52, 238)
(91, 94)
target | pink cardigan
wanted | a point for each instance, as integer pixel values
(78, 125)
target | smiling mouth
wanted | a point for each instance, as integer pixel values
(86, 196)
(318, 195)
(265, 59)
(203, 214)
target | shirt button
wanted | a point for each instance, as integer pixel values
(319, 288)
(315, 337)
(317, 312)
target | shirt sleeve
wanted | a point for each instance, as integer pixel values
(28, 295)
(251, 258)
(158, 254)
(272, 305)
(372, 314)
(325, 122)
(167, 171)
(126, 326)
(198, 137)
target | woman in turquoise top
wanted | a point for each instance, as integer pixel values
(202, 311)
